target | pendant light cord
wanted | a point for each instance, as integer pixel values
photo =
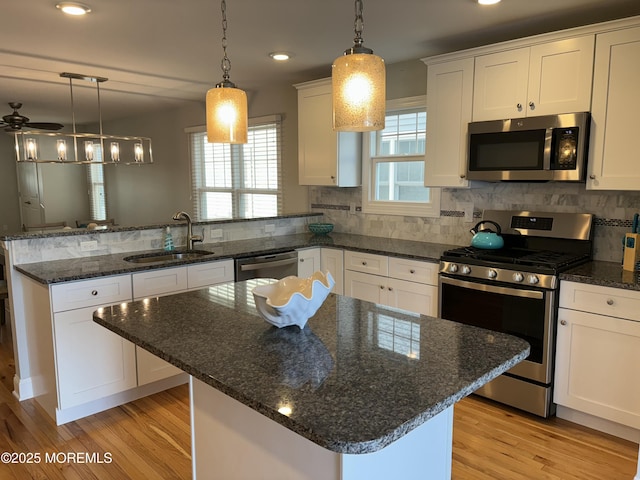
(225, 64)
(358, 24)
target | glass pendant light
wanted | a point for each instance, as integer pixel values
(359, 85)
(226, 104)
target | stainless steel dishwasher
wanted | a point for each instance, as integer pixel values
(277, 265)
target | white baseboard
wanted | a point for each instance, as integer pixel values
(22, 388)
(600, 424)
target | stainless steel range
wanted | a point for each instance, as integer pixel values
(514, 290)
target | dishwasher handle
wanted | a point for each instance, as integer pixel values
(277, 263)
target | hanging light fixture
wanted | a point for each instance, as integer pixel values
(81, 148)
(359, 84)
(226, 105)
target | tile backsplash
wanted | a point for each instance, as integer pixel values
(613, 212)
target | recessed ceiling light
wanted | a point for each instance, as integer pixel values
(488, 2)
(281, 56)
(73, 8)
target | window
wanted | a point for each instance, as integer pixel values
(238, 181)
(393, 163)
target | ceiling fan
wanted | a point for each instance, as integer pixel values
(15, 121)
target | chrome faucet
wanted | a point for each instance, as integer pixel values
(191, 238)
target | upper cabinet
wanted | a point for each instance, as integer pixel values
(544, 79)
(325, 157)
(449, 97)
(613, 156)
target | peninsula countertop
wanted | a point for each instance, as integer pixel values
(357, 377)
(87, 266)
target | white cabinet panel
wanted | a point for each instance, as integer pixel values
(613, 157)
(159, 282)
(598, 366)
(209, 273)
(332, 260)
(614, 302)
(449, 106)
(100, 291)
(91, 361)
(325, 157)
(544, 79)
(308, 262)
(415, 297)
(364, 286)
(413, 270)
(366, 262)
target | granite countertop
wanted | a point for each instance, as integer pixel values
(56, 271)
(606, 274)
(357, 377)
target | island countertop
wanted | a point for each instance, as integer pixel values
(358, 376)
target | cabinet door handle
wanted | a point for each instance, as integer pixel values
(610, 301)
(381, 287)
(592, 176)
(94, 292)
(519, 106)
(532, 105)
(302, 259)
(364, 263)
(462, 175)
(563, 322)
(390, 289)
(412, 271)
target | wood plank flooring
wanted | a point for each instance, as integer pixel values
(149, 439)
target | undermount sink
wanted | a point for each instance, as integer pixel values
(167, 256)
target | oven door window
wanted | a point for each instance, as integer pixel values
(520, 313)
(507, 151)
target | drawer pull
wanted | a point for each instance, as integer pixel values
(610, 301)
(94, 292)
(390, 289)
(381, 287)
(412, 271)
(364, 263)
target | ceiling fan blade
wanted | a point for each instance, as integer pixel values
(44, 125)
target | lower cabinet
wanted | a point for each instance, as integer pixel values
(166, 281)
(308, 261)
(598, 352)
(332, 260)
(92, 362)
(388, 284)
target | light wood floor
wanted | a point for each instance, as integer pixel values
(149, 439)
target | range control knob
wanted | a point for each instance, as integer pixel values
(518, 277)
(453, 268)
(533, 279)
(466, 269)
(492, 273)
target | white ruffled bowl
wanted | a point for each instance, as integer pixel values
(292, 300)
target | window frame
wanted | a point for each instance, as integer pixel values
(237, 172)
(372, 206)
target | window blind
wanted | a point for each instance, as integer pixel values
(238, 181)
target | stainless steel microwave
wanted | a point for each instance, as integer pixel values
(535, 149)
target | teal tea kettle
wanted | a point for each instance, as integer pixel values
(487, 238)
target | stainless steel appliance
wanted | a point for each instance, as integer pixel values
(544, 148)
(515, 290)
(278, 265)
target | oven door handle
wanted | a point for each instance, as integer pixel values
(514, 292)
(277, 263)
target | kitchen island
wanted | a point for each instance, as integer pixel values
(362, 391)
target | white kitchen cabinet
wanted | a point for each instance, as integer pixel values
(91, 362)
(598, 352)
(332, 260)
(613, 159)
(308, 261)
(325, 157)
(449, 106)
(396, 282)
(544, 79)
(165, 281)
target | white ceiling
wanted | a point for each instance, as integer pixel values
(160, 53)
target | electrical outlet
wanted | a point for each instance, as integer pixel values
(89, 246)
(269, 228)
(216, 233)
(467, 207)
